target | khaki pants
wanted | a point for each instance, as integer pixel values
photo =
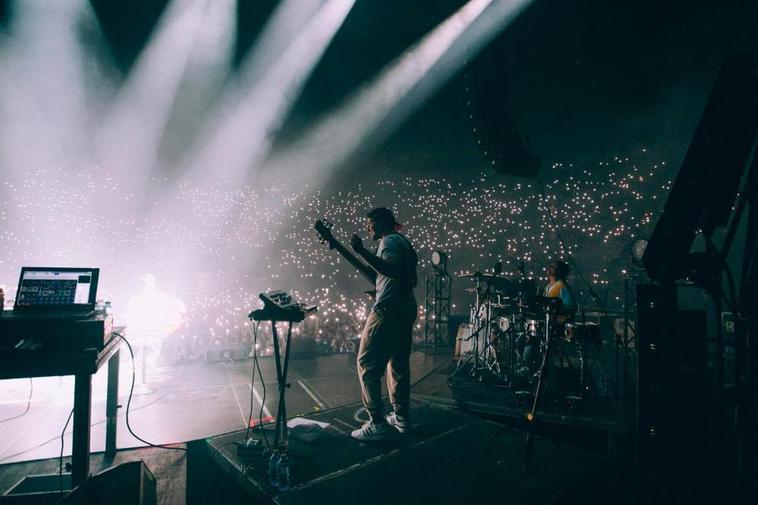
(386, 344)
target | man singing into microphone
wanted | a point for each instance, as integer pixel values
(387, 336)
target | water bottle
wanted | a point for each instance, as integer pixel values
(273, 469)
(283, 472)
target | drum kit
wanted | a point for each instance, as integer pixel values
(512, 329)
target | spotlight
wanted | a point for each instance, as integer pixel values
(637, 251)
(439, 261)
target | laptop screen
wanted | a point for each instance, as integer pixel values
(46, 287)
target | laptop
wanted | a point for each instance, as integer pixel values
(56, 292)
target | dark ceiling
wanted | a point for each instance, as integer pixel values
(580, 79)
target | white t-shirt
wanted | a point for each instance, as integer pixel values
(396, 248)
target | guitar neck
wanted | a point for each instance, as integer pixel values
(351, 258)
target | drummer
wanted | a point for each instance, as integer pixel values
(558, 287)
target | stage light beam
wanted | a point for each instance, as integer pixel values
(261, 102)
(374, 112)
(207, 70)
(45, 113)
(42, 93)
(254, 107)
(128, 142)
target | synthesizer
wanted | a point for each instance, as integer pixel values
(279, 306)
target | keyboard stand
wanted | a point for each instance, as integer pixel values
(278, 306)
(280, 435)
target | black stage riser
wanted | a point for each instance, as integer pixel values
(450, 457)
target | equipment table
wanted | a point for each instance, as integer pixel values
(82, 365)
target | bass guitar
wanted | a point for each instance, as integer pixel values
(324, 229)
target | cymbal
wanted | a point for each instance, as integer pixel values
(471, 275)
(493, 292)
(493, 280)
(599, 313)
(480, 275)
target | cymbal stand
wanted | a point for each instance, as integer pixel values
(580, 351)
(531, 416)
(475, 322)
(486, 359)
(566, 367)
(490, 359)
(478, 369)
(482, 353)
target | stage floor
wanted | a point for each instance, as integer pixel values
(447, 457)
(450, 456)
(188, 401)
(451, 386)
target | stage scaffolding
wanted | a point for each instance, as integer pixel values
(437, 311)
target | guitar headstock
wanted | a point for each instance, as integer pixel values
(324, 229)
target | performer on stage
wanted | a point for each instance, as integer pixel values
(387, 337)
(558, 287)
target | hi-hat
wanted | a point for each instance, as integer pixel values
(491, 279)
(469, 274)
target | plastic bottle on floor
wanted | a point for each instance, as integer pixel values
(283, 472)
(273, 469)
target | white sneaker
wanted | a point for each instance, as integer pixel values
(400, 423)
(372, 431)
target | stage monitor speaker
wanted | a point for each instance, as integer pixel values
(674, 393)
(692, 339)
(129, 483)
